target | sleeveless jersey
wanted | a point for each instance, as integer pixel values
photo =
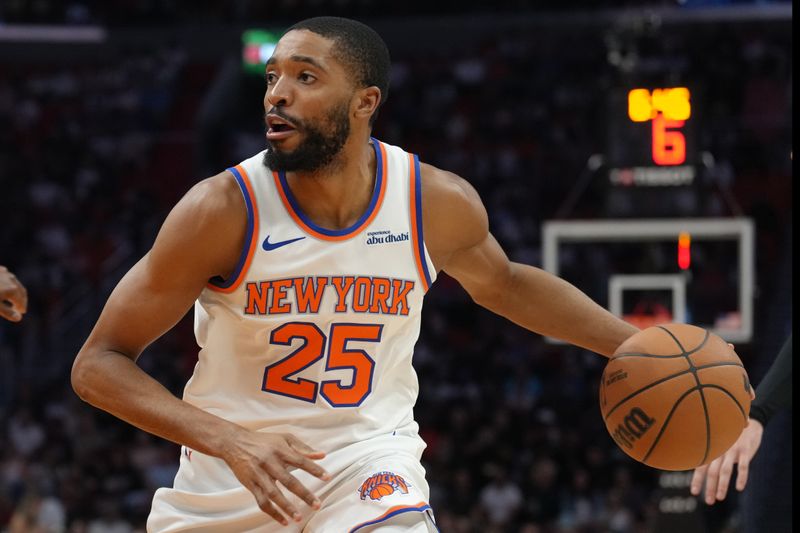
(313, 332)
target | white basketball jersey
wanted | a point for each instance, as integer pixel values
(313, 333)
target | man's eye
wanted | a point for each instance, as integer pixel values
(271, 77)
(305, 77)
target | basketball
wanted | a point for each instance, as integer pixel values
(381, 490)
(674, 396)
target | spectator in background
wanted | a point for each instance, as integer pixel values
(13, 296)
(501, 499)
(38, 514)
(542, 504)
(579, 505)
(25, 434)
(109, 520)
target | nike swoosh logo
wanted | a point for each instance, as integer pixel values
(269, 246)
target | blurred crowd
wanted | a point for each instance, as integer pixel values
(75, 171)
(515, 440)
(149, 12)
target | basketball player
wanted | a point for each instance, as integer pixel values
(307, 265)
(13, 296)
(773, 393)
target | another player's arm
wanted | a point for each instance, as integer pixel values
(13, 296)
(202, 237)
(772, 394)
(457, 236)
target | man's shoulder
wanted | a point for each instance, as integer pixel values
(442, 186)
(454, 216)
(213, 206)
(204, 233)
(218, 193)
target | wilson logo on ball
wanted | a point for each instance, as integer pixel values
(632, 427)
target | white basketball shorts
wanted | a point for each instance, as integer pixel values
(377, 486)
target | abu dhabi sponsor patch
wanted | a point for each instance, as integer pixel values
(385, 237)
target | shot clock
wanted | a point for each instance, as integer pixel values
(667, 110)
(651, 139)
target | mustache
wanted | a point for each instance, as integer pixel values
(278, 113)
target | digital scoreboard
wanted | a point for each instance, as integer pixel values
(651, 139)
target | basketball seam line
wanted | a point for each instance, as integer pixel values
(666, 422)
(732, 397)
(633, 394)
(708, 420)
(693, 370)
(671, 356)
(655, 356)
(662, 380)
(699, 388)
(690, 352)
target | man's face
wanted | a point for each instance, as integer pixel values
(307, 104)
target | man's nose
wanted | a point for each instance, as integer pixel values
(279, 94)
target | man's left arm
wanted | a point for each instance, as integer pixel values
(458, 239)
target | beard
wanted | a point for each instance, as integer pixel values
(319, 147)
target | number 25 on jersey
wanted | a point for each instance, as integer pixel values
(278, 376)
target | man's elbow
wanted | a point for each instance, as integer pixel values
(82, 376)
(489, 299)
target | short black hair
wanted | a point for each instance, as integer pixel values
(358, 47)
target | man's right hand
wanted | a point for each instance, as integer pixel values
(262, 460)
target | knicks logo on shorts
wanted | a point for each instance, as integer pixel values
(382, 484)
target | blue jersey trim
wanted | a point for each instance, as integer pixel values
(420, 509)
(420, 238)
(218, 281)
(376, 193)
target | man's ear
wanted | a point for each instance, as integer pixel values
(367, 101)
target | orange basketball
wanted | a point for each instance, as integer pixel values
(674, 396)
(381, 490)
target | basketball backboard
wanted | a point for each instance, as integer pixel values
(636, 269)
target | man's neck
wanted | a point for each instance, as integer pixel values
(335, 196)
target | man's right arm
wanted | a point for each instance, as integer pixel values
(147, 302)
(202, 237)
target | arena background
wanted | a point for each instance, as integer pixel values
(110, 111)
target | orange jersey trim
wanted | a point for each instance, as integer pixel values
(249, 251)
